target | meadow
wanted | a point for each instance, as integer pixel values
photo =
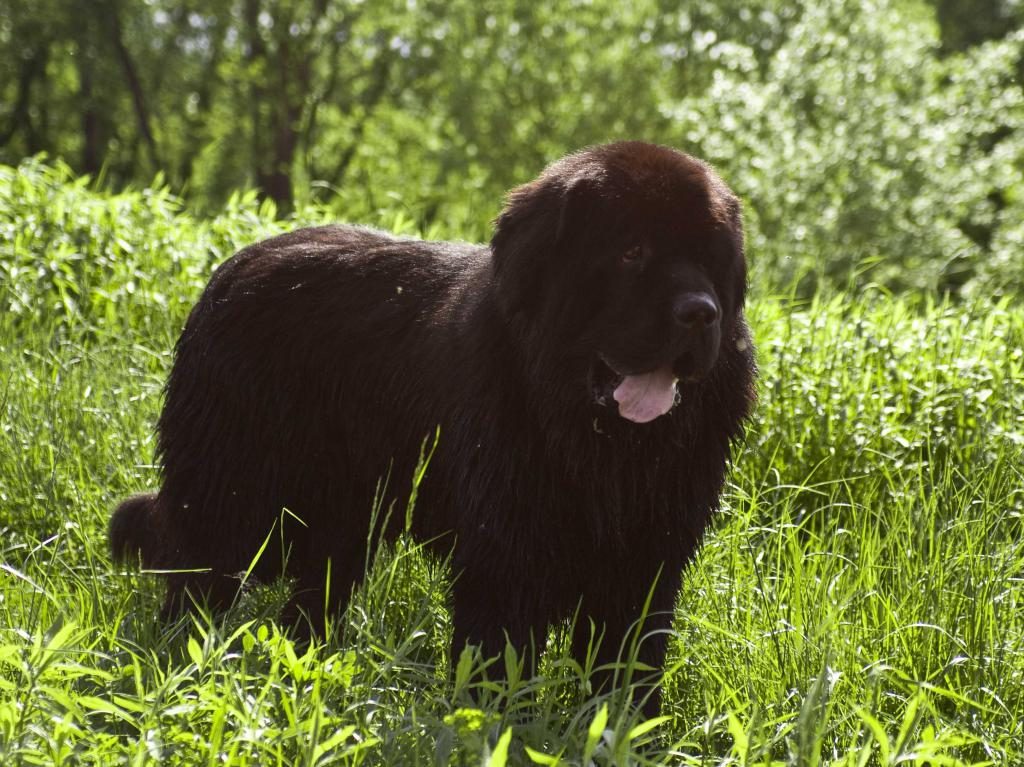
(859, 600)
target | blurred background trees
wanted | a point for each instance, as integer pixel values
(871, 141)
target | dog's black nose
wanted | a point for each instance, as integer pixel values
(695, 311)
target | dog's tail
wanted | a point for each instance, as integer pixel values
(131, 529)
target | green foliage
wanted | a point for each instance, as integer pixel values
(864, 158)
(873, 142)
(859, 601)
(74, 258)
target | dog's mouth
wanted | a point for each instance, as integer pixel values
(640, 396)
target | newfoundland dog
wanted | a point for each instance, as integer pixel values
(583, 376)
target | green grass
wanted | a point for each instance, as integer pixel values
(858, 602)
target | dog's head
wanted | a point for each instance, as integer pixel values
(631, 255)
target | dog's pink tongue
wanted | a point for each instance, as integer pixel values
(643, 398)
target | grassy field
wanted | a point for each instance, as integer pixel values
(860, 600)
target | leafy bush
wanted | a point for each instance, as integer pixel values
(74, 257)
(867, 151)
(865, 158)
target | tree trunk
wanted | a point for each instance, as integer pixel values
(92, 152)
(31, 68)
(131, 77)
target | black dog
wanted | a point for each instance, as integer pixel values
(587, 373)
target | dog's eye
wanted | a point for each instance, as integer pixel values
(631, 255)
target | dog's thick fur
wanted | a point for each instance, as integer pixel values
(317, 363)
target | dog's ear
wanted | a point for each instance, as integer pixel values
(533, 237)
(735, 214)
(525, 236)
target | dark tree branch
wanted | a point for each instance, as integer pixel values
(31, 68)
(318, 97)
(204, 93)
(164, 65)
(130, 71)
(372, 96)
(91, 152)
(255, 57)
